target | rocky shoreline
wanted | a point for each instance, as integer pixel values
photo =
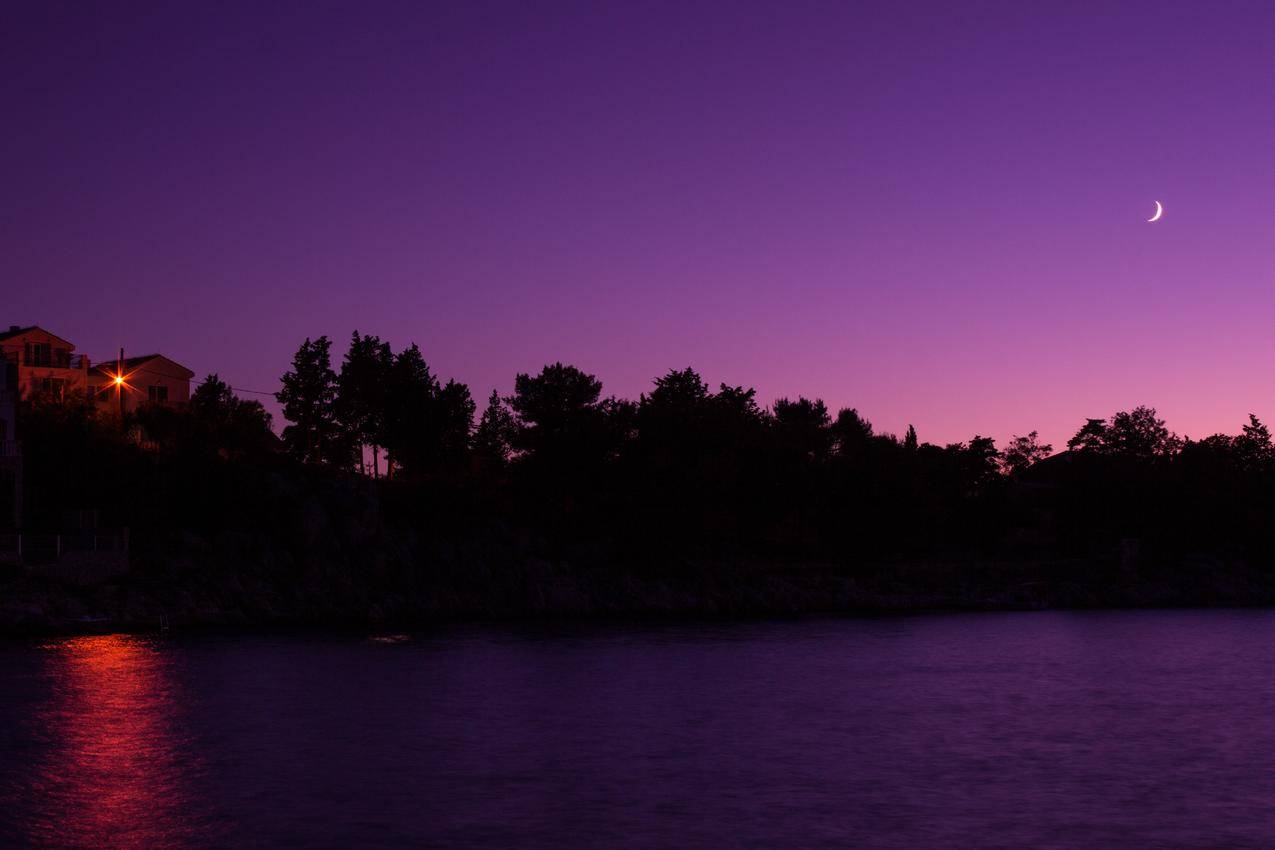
(231, 597)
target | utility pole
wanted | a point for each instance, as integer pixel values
(119, 382)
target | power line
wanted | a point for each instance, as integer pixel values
(166, 375)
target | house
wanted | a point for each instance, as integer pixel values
(37, 364)
(8, 406)
(150, 379)
(10, 449)
(46, 364)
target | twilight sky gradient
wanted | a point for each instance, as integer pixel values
(933, 212)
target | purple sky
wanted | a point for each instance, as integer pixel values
(932, 212)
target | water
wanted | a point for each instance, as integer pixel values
(988, 730)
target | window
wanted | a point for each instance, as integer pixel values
(39, 354)
(53, 387)
(44, 354)
(157, 394)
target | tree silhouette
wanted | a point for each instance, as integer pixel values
(1140, 434)
(454, 415)
(802, 427)
(983, 461)
(668, 472)
(672, 418)
(232, 424)
(493, 439)
(1252, 448)
(677, 395)
(738, 407)
(555, 410)
(909, 440)
(361, 394)
(1022, 453)
(688, 473)
(212, 399)
(308, 397)
(410, 393)
(850, 432)
(1092, 437)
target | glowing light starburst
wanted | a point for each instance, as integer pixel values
(117, 380)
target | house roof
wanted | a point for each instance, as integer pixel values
(132, 364)
(15, 331)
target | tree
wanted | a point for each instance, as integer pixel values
(737, 408)
(850, 432)
(802, 427)
(982, 462)
(1092, 437)
(212, 399)
(909, 440)
(554, 409)
(1252, 448)
(232, 424)
(361, 394)
(495, 433)
(427, 426)
(1140, 434)
(677, 392)
(309, 403)
(248, 427)
(1023, 452)
(617, 425)
(411, 390)
(566, 436)
(454, 415)
(672, 419)
(1137, 434)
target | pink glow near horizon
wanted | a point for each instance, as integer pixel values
(935, 215)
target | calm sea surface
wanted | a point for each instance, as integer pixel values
(1068, 730)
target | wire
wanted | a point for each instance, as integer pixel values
(167, 375)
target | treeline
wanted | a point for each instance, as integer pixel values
(559, 469)
(381, 404)
(691, 468)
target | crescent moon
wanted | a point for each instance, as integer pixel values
(1159, 211)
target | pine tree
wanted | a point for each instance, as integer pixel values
(411, 395)
(492, 440)
(361, 394)
(909, 440)
(308, 398)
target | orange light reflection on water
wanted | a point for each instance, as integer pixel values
(115, 773)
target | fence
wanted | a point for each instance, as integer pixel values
(36, 549)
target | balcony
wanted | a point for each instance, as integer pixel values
(10, 448)
(47, 360)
